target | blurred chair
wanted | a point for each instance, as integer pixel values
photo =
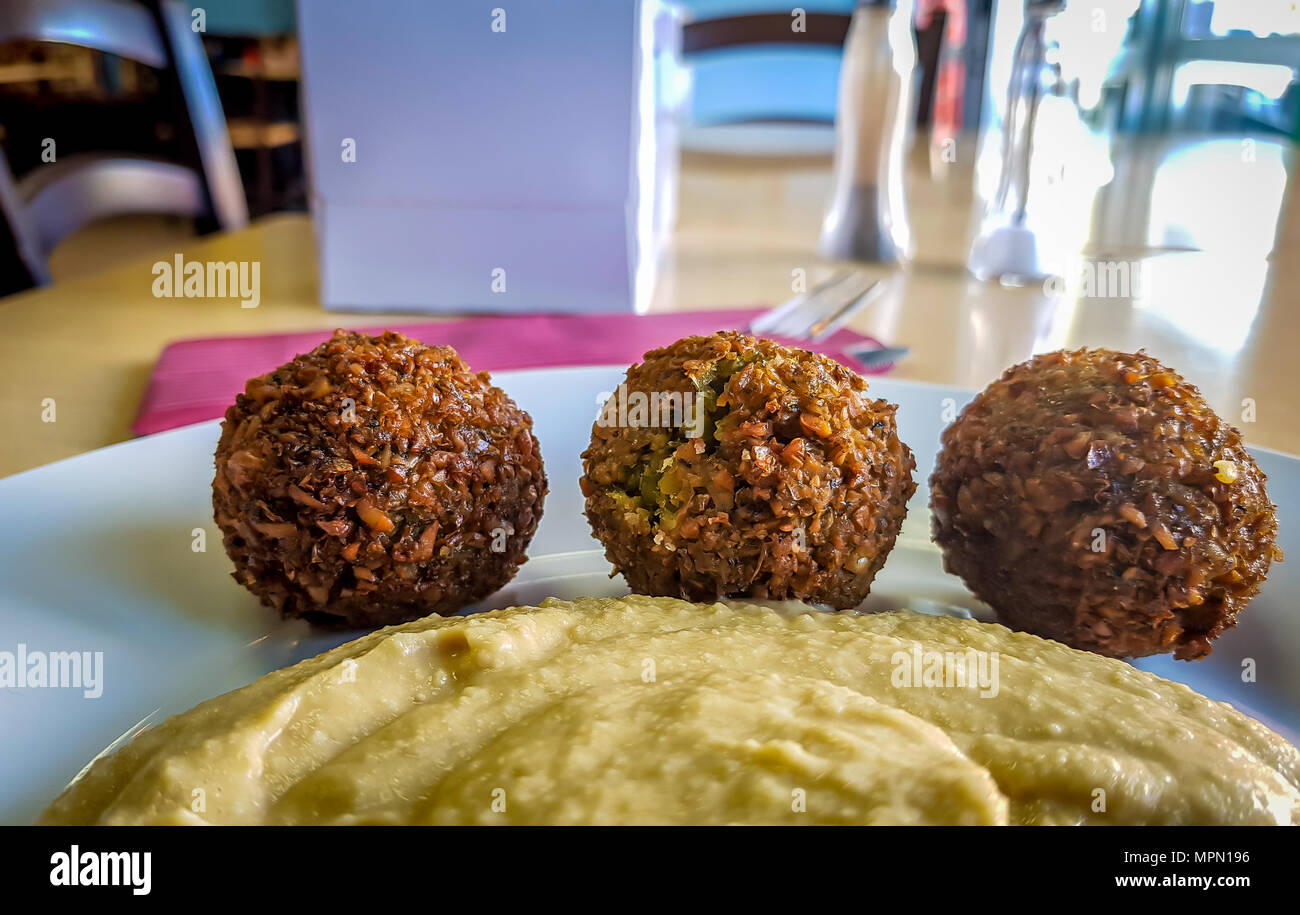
(247, 42)
(750, 65)
(55, 199)
(1211, 66)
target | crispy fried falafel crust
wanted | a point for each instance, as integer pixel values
(795, 490)
(375, 480)
(1078, 496)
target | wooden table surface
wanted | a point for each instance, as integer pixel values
(1228, 319)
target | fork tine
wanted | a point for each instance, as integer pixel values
(834, 321)
(787, 313)
(831, 302)
(774, 317)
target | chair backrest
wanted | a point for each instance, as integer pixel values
(220, 171)
(765, 28)
(28, 251)
(60, 197)
(126, 29)
(90, 188)
(753, 61)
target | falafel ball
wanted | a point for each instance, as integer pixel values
(1094, 498)
(375, 480)
(732, 466)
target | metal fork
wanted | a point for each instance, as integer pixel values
(816, 314)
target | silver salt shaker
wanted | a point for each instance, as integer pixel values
(866, 218)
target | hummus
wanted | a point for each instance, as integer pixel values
(651, 710)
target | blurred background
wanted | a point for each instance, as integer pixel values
(987, 159)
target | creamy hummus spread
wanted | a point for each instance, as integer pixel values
(650, 710)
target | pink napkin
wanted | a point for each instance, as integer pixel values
(195, 380)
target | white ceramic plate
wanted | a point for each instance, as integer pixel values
(97, 553)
